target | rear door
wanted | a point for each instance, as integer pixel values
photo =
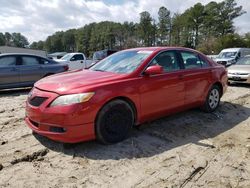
(8, 71)
(30, 68)
(197, 77)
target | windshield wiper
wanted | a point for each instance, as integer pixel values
(100, 70)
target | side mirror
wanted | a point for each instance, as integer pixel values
(153, 70)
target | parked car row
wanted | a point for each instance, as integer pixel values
(230, 56)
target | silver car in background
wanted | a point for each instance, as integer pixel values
(23, 70)
(240, 72)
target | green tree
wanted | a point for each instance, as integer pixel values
(195, 20)
(145, 29)
(69, 40)
(228, 12)
(164, 26)
(19, 40)
(2, 39)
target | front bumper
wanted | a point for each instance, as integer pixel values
(69, 124)
(69, 134)
(237, 78)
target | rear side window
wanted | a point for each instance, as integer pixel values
(192, 61)
(26, 60)
(7, 61)
(167, 60)
(45, 61)
(77, 57)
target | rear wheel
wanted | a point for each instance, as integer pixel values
(213, 99)
(114, 122)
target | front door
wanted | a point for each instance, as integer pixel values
(77, 62)
(164, 93)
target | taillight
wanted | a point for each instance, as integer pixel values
(66, 67)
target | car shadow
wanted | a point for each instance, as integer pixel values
(161, 135)
(14, 92)
(240, 85)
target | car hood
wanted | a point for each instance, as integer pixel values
(68, 82)
(239, 68)
(61, 60)
(224, 59)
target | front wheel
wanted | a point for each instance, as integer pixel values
(114, 122)
(213, 99)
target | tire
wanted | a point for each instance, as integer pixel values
(213, 99)
(114, 122)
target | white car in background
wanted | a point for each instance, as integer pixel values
(75, 61)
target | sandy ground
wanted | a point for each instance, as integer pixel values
(190, 149)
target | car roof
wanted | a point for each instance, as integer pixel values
(11, 54)
(75, 53)
(156, 49)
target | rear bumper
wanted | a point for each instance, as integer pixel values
(66, 134)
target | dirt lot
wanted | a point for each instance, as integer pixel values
(190, 149)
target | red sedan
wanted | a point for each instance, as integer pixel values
(125, 89)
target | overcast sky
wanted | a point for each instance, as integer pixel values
(36, 19)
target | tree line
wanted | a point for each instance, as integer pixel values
(208, 28)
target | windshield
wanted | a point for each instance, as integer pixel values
(244, 61)
(122, 62)
(227, 54)
(67, 57)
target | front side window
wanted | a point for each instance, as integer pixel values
(30, 60)
(192, 61)
(167, 60)
(122, 62)
(77, 57)
(7, 61)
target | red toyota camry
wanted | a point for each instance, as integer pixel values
(125, 89)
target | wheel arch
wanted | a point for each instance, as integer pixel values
(48, 74)
(219, 84)
(129, 101)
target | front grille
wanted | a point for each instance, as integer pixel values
(238, 73)
(238, 79)
(57, 129)
(34, 123)
(37, 101)
(222, 62)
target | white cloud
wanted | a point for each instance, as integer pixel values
(38, 19)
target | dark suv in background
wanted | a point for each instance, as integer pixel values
(100, 55)
(23, 70)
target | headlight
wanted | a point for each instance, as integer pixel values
(72, 99)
